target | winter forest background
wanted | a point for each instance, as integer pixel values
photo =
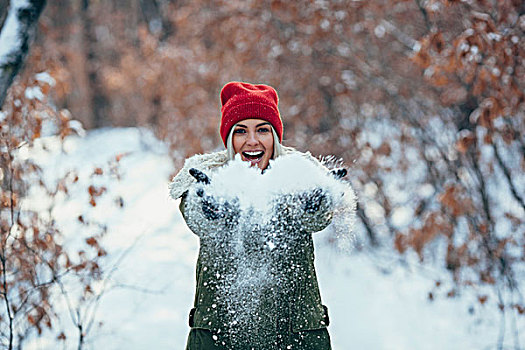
(423, 100)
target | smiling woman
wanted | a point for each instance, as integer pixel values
(284, 312)
(251, 124)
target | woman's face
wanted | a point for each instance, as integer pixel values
(253, 140)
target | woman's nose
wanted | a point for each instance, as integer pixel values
(252, 139)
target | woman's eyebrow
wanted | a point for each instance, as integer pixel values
(266, 123)
(242, 126)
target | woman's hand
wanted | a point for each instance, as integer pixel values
(211, 207)
(339, 173)
(200, 176)
(311, 201)
(214, 209)
(207, 211)
(308, 211)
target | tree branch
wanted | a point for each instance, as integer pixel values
(16, 34)
(506, 171)
(372, 235)
(425, 14)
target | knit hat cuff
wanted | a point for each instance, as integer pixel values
(251, 110)
(255, 110)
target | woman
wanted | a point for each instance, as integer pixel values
(283, 310)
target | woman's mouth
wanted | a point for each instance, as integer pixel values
(253, 156)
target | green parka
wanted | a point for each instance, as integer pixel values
(290, 311)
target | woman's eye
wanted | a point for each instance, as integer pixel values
(239, 131)
(263, 130)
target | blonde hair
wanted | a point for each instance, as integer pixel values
(277, 148)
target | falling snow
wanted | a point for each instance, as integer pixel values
(258, 237)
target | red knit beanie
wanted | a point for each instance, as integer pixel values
(242, 101)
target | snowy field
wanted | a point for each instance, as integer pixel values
(376, 300)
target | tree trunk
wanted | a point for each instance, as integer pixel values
(98, 100)
(14, 50)
(4, 5)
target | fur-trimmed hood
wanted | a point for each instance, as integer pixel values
(210, 161)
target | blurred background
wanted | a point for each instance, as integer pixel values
(423, 100)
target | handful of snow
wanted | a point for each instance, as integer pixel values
(285, 175)
(290, 174)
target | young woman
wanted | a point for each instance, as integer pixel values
(285, 312)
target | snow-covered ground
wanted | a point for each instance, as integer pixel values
(375, 299)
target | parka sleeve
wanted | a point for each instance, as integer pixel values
(192, 215)
(182, 208)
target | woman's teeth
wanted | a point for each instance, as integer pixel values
(252, 155)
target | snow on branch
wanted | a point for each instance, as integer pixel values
(15, 36)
